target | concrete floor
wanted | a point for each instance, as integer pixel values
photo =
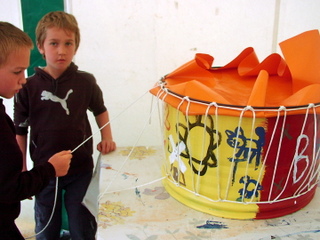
(134, 205)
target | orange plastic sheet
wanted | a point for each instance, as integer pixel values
(292, 81)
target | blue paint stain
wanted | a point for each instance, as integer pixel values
(213, 225)
(301, 233)
(138, 193)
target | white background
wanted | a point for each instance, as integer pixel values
(130, 44)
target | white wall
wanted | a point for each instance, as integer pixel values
(130, 44)
(297, 16)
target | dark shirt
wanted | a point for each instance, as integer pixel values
(56, 111)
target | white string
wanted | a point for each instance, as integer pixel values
(53, 209)
(313, 173)
(281, 108)
(249, 108)
(76, 148)
(189, 145)
(99, 130)
(277, 156)
(234, 151)
(162, 121)
(266, 110)
(162, 94)
(308, 177)
(177, 130)
(218, 149)
(229, 107)
(204, 137)
(315, 150)
(125, 161)
(231, 201)
(134, 187)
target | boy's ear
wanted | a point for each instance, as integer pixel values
(40, 48)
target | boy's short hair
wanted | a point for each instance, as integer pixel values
(57, 19)
(12, 39)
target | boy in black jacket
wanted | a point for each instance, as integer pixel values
(16, 185)
(54, 104)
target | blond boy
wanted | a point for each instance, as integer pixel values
(15, 184)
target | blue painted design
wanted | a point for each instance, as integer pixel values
(213, 225)
(247, 149)
(247, 193)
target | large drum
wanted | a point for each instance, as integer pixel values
(242, 141)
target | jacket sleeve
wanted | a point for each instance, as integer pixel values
(21, 112)
(35, 180)
(14, 184)
(21, 185)
(96, 102)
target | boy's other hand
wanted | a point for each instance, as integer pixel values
(106, 146)
(61, 162)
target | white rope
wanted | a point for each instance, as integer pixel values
(189, 146)
(231, 107)
(161, 119)
(51, 216)
(316, 151)
(177, 130)
(204, 138)
(277, 157)
(281, 108)
(216, 141)
(137, 186)
(308, 175)
(76, 148)
(162, 94)
(310, 180)
(99, 130)
(230, 201)
(125, 161)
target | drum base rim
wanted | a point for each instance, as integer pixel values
(232, 210)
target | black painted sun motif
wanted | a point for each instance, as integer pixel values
(200, 140)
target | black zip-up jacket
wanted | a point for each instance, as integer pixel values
(14, 184)
(56, 111)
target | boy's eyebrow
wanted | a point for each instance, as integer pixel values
(54, 39)
(20, 68)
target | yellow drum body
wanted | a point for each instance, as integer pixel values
(239, 167)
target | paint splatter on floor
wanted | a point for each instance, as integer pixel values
(159, 193)
(139, 152)
(111, 213)
(213, 225)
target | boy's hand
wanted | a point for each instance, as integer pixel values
(61, 162)
(106, 146)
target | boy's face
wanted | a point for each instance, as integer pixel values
(59, 49)
(12, 75)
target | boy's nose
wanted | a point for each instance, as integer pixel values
(62, 50)
(23, 80)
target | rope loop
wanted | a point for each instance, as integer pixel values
(311, 105)
(247, 108)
